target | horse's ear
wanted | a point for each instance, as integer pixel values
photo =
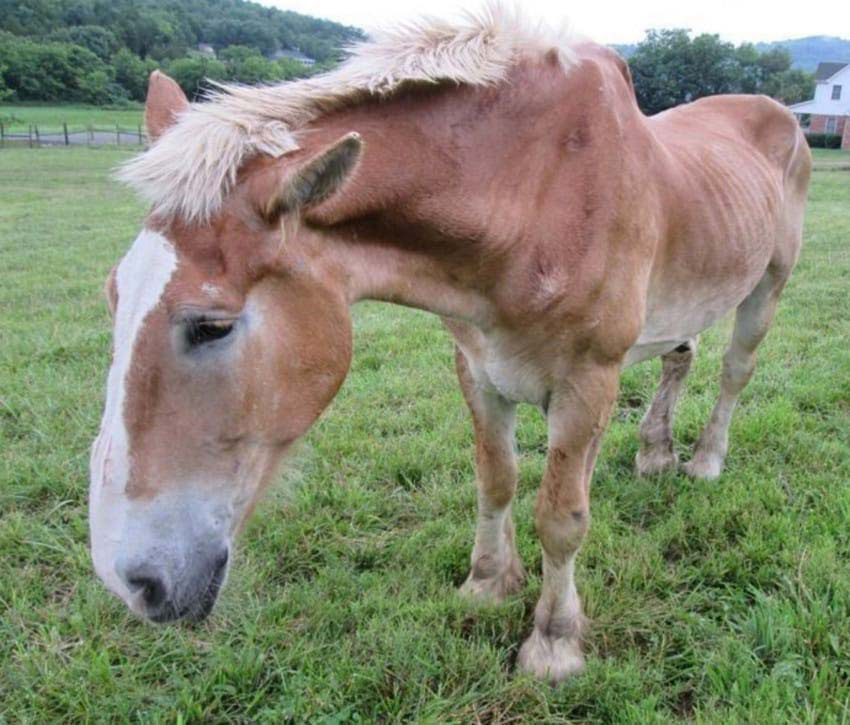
(164, 101)
(318, 178)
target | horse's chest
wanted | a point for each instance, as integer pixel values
(508, 366)
(515, 381)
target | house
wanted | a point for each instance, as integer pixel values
(293, 55)
(206, 49)
(829, 110)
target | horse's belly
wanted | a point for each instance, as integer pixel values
(676, 315)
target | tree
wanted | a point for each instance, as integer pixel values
(6, 93)
(98, 88)
(790, 86)
(97, 39)
(669, 67)
(51, 71)
(131, 73)
(191, 74)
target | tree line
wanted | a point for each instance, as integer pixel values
(671, 67)
(102, 51)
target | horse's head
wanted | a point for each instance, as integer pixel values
(229, 341)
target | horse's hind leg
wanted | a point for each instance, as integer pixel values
(656, 452)
(496, 567)
(752, 321)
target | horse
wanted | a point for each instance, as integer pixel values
(488, 170)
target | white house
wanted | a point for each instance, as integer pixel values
(830, 108)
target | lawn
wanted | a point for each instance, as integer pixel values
(715, 602)
(831, 158)
(17, 118)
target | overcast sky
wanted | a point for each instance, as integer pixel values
(615, 21)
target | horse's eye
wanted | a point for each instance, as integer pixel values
(201, 331)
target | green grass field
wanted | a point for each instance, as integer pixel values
(715, 602)
(17, 117)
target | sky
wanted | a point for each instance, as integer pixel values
(615, 21)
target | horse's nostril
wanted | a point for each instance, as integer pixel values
(153, 589)
(220, 562)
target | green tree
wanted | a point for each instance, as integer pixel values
(238, 54)
(191, 73)
(131, 73)
(6, 93)
(790, 86)
(98, 88)
(97, 39)
(50, 71)
(670, 67)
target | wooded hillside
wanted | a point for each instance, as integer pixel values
(101, 51)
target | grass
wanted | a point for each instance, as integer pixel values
(714, 602)
(17, 118)
(831, 159)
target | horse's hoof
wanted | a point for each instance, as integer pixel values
(550, 659)
(706, 466)
(656, 460)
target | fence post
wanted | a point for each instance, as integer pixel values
(37, 138)
(141, 140)
(65, 130)
(29, 135)
(2, 135)
(117, 134)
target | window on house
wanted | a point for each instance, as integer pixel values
(836, 93)
(831, 124)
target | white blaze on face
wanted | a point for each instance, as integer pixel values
(141, 279)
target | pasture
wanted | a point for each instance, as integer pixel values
(18, 117)
(715, 602)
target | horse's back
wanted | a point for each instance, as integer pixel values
(733, 173)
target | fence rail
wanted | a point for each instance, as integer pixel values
(36, 136)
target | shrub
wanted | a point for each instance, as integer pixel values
(192, 73)
(131, 72)
(824, 140)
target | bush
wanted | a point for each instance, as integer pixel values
(191, 74)
(34, 71)
(824, 140)
(95, 38)
(131, 72)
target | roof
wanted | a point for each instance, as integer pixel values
(825, 71)
(820, 109)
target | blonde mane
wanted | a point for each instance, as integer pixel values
(191, 167)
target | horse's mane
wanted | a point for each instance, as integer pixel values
(190, 168)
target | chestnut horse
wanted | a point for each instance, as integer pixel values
(490, 172)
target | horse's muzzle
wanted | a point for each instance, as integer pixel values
(163, 598)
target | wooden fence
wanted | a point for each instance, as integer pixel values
(36, 136)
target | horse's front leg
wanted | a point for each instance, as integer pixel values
(496, 567)
(577, 417)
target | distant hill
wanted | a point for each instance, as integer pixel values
(101, 51)
(806, 53)
(168, 29)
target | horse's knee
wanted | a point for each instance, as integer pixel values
(561, 533)
(738, 367)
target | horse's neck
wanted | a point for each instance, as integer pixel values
(453, 198)
(390, 232)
